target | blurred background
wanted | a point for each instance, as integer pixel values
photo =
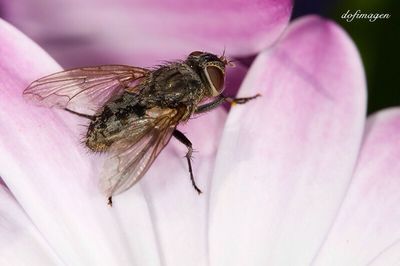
(378, 43)
(76, 45)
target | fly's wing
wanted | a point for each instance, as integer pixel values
(130, 158)
(83, 89)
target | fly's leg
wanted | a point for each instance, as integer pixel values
(91, 117)
(211, 105)
(221, 99)
(184, 140)
(244, 100)
(109, 201)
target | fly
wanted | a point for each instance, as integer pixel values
(133, 112)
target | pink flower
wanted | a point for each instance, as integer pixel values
(146, 32)
(294, 178)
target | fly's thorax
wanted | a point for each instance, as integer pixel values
(211, 70)
(172, 85)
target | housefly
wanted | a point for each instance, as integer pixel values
(133, 112)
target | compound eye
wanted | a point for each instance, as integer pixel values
(196, 53)
(216, 78)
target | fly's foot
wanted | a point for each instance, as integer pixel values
(234, 101)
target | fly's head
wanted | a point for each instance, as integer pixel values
(211, 69)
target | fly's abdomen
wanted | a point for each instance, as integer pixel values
(102, 134)
(111, 124)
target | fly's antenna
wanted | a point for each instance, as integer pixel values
(225, 60)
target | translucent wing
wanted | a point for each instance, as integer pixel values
(130, 158)
(83, 89)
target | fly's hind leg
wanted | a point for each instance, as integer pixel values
(91, 117)
(109, 201)
(183, 139)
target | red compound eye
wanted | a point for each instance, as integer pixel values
(196, 53)
(216, 77)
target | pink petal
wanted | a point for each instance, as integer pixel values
(286, 158)
(367, 229)
(233, 80)
(145, 32)
(50, 173)
(179, 213)
(20, 242)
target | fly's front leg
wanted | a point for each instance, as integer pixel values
(211, 105)
(221, 99)
(244, 100)
(183, 139)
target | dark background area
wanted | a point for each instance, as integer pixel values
(378, 43)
